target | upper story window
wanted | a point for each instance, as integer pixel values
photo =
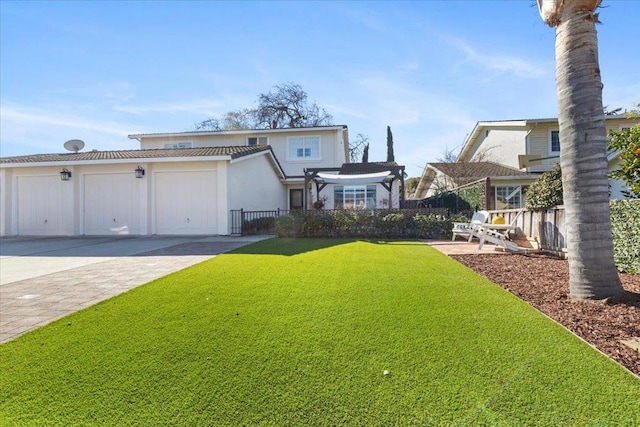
(303, 148)
(178, 145)
(554, 141)
(257, 140)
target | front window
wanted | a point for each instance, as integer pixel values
(257, 140)
(178, 145)
(304, 148)
(555, 141)
(508, 197)
(354, 197)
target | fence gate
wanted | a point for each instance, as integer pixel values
(246, 223)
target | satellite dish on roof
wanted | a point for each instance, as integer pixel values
(74, 145)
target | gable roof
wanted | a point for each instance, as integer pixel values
(522, 123)
(233, 152)
(462, 172)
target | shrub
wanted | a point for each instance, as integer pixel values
(546, 191)
(625, 222)
(365, 224)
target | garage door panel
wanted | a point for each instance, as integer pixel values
(41, 207)
(186, 202)
(111, 204)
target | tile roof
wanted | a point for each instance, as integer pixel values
(234, 152)
(469, 171)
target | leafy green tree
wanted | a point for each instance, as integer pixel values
(390, 156)
(627, 142)
(410, 185)
(546, 191)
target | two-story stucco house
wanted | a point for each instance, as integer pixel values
(512, 153)
(174, 183)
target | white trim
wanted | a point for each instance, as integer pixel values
(237, 132)
(115, 161)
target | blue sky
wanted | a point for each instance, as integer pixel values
(99, 71)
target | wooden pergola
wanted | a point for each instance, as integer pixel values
(348, 173)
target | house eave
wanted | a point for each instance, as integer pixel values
(138, 136)
(116, 161)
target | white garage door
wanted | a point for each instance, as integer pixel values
(41, 207)
(111, 204)
(186, 203)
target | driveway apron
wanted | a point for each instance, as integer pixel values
(44, 279)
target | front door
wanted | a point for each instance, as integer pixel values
(295, 198)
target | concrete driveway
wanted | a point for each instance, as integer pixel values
(43, 279)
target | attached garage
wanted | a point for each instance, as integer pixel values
(186, 202)
(41, 206)
(111, 204)
(135, 192)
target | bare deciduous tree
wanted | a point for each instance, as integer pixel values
(286, 106)
(357, 146)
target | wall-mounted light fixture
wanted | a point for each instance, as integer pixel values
(139, 171)
(65, 174)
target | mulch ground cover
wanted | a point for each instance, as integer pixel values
(543, 282)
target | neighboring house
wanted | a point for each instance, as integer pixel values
(502, 143)
(186, 183)
(507, 184)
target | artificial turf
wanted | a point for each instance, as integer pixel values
(299, 332)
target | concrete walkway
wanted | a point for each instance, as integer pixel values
(460, 247)
(44, 279)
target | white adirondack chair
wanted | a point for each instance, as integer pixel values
(498, 237)
(467, 229)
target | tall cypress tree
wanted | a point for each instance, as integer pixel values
(365, 154)
(390, 156)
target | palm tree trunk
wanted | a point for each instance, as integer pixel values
(583, 157)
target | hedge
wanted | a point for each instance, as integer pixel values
(366, 224)
(625, 222)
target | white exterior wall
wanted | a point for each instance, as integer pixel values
(5, 202)
(501, 145)
(332, 145)
(155, 142)
(253, 185)
(540, 144)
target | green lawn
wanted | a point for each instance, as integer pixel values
(299, 332)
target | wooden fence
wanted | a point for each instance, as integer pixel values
(546, 226)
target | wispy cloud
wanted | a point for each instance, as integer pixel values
(367, 18)
(33, 117)
(202, 106)
(499, 63)
(25, 130)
